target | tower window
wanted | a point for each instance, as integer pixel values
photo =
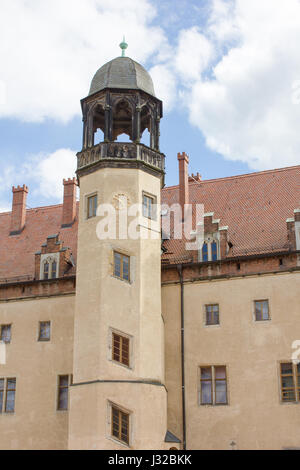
(148, 206)
(212, 315)
(44, 331)
(120, 425)
(120, 349)
(290, 382)
(92, 206)
(121, 266)
(7, 395)
(262, 310)
(213, 385)
(63, 392)
(5, 333)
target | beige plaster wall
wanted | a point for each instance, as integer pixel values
(254, 418)
(36, 423)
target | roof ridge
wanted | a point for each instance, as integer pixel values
(245, 175)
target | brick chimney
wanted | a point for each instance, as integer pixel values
(69, 205)
(18, 214)
(183, 160)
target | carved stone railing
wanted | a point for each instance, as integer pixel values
(120, 151)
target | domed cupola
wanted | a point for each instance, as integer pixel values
(122, 73)
(121, 101)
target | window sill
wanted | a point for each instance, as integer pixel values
(123, 280)
(121, 443)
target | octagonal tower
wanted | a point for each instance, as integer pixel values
(118, 398)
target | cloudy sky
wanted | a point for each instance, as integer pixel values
(228, 72)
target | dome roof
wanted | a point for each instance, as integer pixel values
(122, 72)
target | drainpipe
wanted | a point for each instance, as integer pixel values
(179, 269)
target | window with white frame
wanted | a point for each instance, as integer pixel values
(209, 250)
(49, 268)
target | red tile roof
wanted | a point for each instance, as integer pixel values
(17, 252)
(254, 207)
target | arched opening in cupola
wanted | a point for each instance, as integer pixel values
(122, 121)
(98, 124)
(146, 126)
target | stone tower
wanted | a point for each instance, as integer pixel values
(118, 398)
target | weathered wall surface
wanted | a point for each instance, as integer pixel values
(36, 423)
(255, 418)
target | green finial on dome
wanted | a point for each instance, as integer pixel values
(123, 46)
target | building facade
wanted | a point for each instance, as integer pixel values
(172, 323)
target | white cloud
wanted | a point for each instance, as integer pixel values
(247, 108)
(50, 50)
(49, 172)
(238, 75)
(194, 54)
(165, 83)
(43, 172)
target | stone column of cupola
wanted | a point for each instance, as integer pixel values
(137, 125)
(157, 133)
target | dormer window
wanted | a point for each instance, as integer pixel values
(49, 266)
(209, 250)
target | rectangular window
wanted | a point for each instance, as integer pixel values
(213, 385)
(120, 425)
(120, 349)
(5, 333)
(212, 314)
(290, 382)
(148, 206)
(121, 266)
(1, 394)
(262, 310)
(10, 395)
(63, 391)
(44, 333)
(92, 206)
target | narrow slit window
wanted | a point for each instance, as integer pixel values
(5, 333)
(121, 349)
(120, 425)
(121, 266)
(63, 392)
(44, 331)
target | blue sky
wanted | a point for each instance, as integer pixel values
(228, 72)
